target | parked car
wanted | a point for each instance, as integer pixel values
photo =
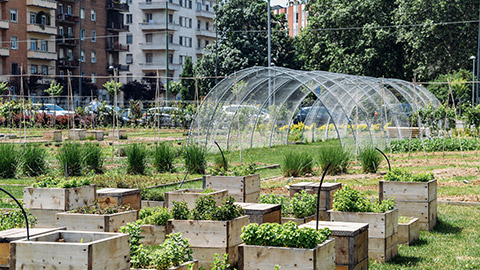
(163, 114)
(50, 109)
(231, 110)
(320, 117)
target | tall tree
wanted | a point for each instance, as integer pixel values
(187, 91)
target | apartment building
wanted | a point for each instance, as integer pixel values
(190, 29)
(296, 16)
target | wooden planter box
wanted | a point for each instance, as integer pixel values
(118, 134)
(326, 194)
(413, 199)
(351, 243)
(266, 257)
(45, 218)
(96, 223)
(119, 196)
(8, 236)
(191, 265)
(72, 250)
(76, 134)
(97, 134)
(300, 221)
(409, 232)
(242, 188)
(262, 213)
(153, 234)
(382, 231)
(208, 237)
(151, 204)
(191, 195)
(53, 135)
(62, 199)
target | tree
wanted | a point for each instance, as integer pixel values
(187, 91)
(138, 91)
(54, 90)
(112, 87)
(461, 90)
(3, 87)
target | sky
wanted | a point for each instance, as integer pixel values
(278, 2)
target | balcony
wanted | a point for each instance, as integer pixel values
(157, 46)
(42, 29)
(159, 66)
(67, 18)
(50, 4)
(117, 27)
(5, 51)
(205, 14)
(66, 41)
(117, 6)
(42, 55)
(156, 5)
(64, 63)
(119, 67)
(199, 51)
(205, 33)
(152, 26)
(117, 47)
(4, 24)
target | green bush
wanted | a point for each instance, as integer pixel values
(297, 164)
(152, 194)
(93, 157)
(8, 160)
(15, 219)
(33, 160)
(348, 199)
(370, 159)
(303, 204)
(402, 175)
(136, 158)
(277, 199)
(70, 158)
(339, 156)
(163, 157)
(180, 210)
(155, 216)
(195, 159)
(288, 235)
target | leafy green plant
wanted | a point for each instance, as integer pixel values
(288, 235)
(138, 255)
(434, 145)
(152, 194)
(228, 210)
(297, 164)
(219, 264)
(403, 175)
(70, 158)
(155, 216)
(370, 159)
(204, 209)
(349, 199)
(15, 219)
(195, 159)
(93, 157)
(33, 160)
(8, 160)
(404, 219)
(277, 199)
(163, 157)
(96, 209)
(180, 210)
(53, 182)
(303, 204)
(136, 158)
(339, 156)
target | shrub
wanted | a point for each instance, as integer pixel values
(15, 219)
(93, 157)
(348, 199)
(339, 156)
(180, 210)
(219, 264)
(8, 160)
(151, 194)
(296, 164)
(136, 159)
(303, 204)
(195, 159)
(402, 175)
(155, 216)
(33, 160)
(288, 235)
(70, 158)
(277, 199)
(370, 159)
(206, 209)
(163, 157)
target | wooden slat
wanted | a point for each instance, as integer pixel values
(206, 255)
(426, 212)
(192, 195)
(381, 225)
(151, 204)
(339, 228)
(62, 199)
(96, 223)
(408, 191)
(299, 221)
(45, 218)
(113, 253)
(242, 188)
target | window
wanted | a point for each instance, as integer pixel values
(43, 19)
(180, 40)
(148, 58)
(149, 17)
(129, 19)
(129, 58)
(60, 8)
(199, 23)
(170, 58)
(60, 31)
(207, 25)
(69, 32)
(44, 70)
(14, 43)
(182, 59)
(170, 38)
(190, 42)
(207, 7)
(148, 38)
(61, 53)
(170, 18)
(82, 56)
(33, 69)
(129, 38)
(82, 34)
(206, 43)
(61, 73)
(14, 68)
(33, 18)
(70, 55)
(296, 17)
(94, 36)
(93, 15)
(94, 77)
(82, 13)
(199, 43)
(129, 77)
(189, 23)
(13, 15)
(180, 20)
(44, 46)
(33, 44)
(69, 10)
(199, 6)
(93, 56)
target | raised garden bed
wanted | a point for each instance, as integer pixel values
(191, 195)
(119, 196)
(242, 188)
(299, 209)
(118, 134)
(95, 134)
(72, 250)
(52, 135)
(262, 213)
(326, 194)
(76, 134)
(154, 227)
(409, 231)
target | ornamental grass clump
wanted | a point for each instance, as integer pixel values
(136, 159)
(297, 164)
(163, 157)
(93, 157)
(32, 160)
(349, 199)
(402, 175)
(338, 155)
(370, 159)
(71, 159)
(195, 159)
(8, 160)
(286, 235)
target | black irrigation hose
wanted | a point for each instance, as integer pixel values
(385, 156)
(223, 157)
(318, 194)
(23, 211)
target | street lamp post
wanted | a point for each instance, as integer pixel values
(473, 80)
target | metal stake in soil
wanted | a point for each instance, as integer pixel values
(23, 211)
(318, 193)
